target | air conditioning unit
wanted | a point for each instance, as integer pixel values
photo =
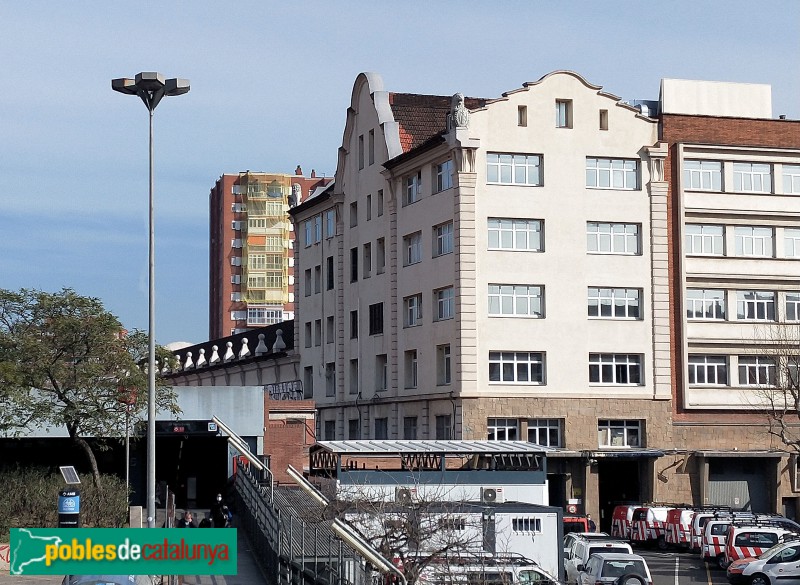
(404, 495)
(492, 495)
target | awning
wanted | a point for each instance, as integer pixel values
(626, 453)
(738, 453)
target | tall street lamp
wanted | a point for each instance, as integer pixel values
(151, 87)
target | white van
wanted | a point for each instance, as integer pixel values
(582, 549)
(499, 570)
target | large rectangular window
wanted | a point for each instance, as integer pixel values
(791, 179)
(443, 239)
(445, 303)
(329, 273)
(516, 367)
(754, 241)
(704, 239)
(791, 242)
(354, 324)
(444, 371)
(263, 316)
(703, 303)
(353, 429)
(330, 223)
(563, 113)
(752, 177)
(620, 369)
(410, 428)
(444, 175)
(381, 372)
(708, 369)
(411, 368)
(376, 319)
(793, 306)
(612, 238)
(444, 427)
(330, 379)
(413, 188)
(513, 169)
(611, 173)
(502, 429)
(614, 303)
(515, 234)
(757, 370)
(353, 264)
(380, 256)
(545, 431)
(702, 175)
(753, 305)
(412, 311)
(354, 376)
(516, 300)
(381, 428)
(412, 249)
(619, 433)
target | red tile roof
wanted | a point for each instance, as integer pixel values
(422, 117)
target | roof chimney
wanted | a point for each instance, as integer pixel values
(313, 174)
(298, 171)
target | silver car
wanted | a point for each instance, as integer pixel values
(779, 564)
(616, 569)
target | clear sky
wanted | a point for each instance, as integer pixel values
(270, 84)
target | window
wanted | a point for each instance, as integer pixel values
(513, 169)
(367, 260)
(412, 244)
(354, 324)
(619, 433)
(380, 256)
(443, 239)
(410, 428)
(522, 115)
(263, 316)
(443, 365)
(317, 279)
(704, 239)
(411, 368)
(791, 179)
(380, 202)
(757, 370)
(381, 372)
(708, 369)
(702, 175)
(705, 303)
(444, 175)
(308, 230)
(614, 303)
(754, 241)
(516, 367)
(603, 119)
(412, 311)
(308, 382)
(444, 427)
(307, 330)
(612, 238)
(445, 303)
(329, 275)
(526, 525)
(611, 173)
(354, 214)
(545, 431)
(257, 261)
(752, 177)
(516, 299)
(615, 368)
(361, 152)
(353, 264)
(563, 113)
(329, 330)
(376, 319)
(369, 207)
(318, 332)
(317, 228)
(330, 379)
(371, 147)
(515, 234)
(753, 305)
(792, 306)
(791, 240)
(330, 223)
(382, 428)
(330, 430)
(353, 429)
(413, 188)
(354, 376)
(502, 429)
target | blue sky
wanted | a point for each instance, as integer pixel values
(271, 82)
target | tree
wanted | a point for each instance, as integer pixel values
(66, 361)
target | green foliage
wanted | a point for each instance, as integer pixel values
(29, 498)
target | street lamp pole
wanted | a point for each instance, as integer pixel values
(151, 87)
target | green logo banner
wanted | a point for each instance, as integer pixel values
(123, 551)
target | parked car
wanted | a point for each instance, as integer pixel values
(583, 548)
(715, 536)
(505, 570)
(779, 564)
(621, 520)
(619, 569)
(576, 524)
(648, 525)
(571, 537)
(698, 523)
(751, 541)
(678, 527)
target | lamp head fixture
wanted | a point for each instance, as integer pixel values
(150, 87)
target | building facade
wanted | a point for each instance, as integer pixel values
(251, 265)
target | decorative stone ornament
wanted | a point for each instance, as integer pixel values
(459, 114)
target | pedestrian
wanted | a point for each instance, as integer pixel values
(592, 525)
(220, 514)
(187, 521)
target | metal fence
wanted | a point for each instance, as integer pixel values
(289, 544)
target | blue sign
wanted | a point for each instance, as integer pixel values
(69, 502)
